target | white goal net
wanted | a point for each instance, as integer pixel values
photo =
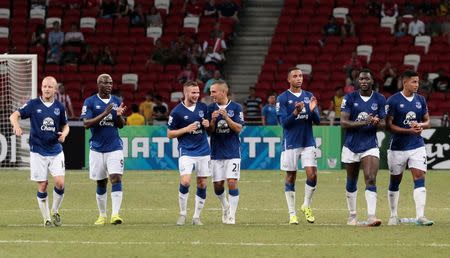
(18, 84)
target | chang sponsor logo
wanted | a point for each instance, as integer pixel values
(107, 121)
(409, 118)
(48, 125)
(222, 127)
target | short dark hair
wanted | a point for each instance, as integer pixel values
(366, 70)
(408, 74)
(293, 69)
(134, 108)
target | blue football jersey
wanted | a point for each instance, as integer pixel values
(404, 112)
(270, 113)
(192, 144)
(105, 135)
(363, 138)
(297, 130)
(45, 122)
(225, 143)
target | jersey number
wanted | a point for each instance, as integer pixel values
(235, 167)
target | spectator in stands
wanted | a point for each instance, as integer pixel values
(123, 9)
(153, 18)
(408, 8)
(203, 74)
(160, 111)
(210, 9)
(416, 27)
(389, 76)
(330, 29)
(160, 55)
(443, 8)
(74, 37)
(400, 28)
(108, 9)
(433, 28)
(373, 8)
(70, 57)
(217, 76)
(218, 43)
(137, 18)
(179, 50)
(55, 36)
(427, 8)
(146, 108)
(135, 118)
(186, 74)
(446, 29)
(39, 38)
(64, 98)
(269, 113)
(334, 110)
(193, 8)
(228, 9)
(354, 63)
(349, 26)
(252, 107)
(195, 54)
(441, 83)
(105, 56)
(88, 56)
(389, 8)
(54, 54)
(212, 57)
(425, 85)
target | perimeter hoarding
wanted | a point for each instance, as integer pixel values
(148, 148)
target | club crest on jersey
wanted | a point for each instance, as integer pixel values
(201, 114)
(230, 113)
(355, 104)
(97, 107)
(48, 124)
(374, 106)
(290, 102)
(306, 100)
(39, 110)
(402, 106)
(418, 105)
(185, 117)
(56, 111)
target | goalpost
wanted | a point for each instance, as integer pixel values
(18, 84)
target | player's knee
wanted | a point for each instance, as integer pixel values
(371, 181)
(102, 183)
(232, 184)
(116, 179)
(218, 188)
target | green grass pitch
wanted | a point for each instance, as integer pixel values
(150, 210)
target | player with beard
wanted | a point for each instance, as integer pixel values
(362, 114)
(187, 123)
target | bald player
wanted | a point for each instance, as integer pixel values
(49, 129)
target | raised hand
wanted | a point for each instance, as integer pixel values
(215, 114)
(223, 112)
(312, 103)
(108, 109)
(121, 109)
(299, 106)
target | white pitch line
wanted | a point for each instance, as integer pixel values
(207, 209)
(197, 243)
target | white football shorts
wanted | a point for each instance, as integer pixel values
(223, 169)
(200, 164)
(101, 165)
(41, 165)
(289, 158)
(348, 156)
(416, 158)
